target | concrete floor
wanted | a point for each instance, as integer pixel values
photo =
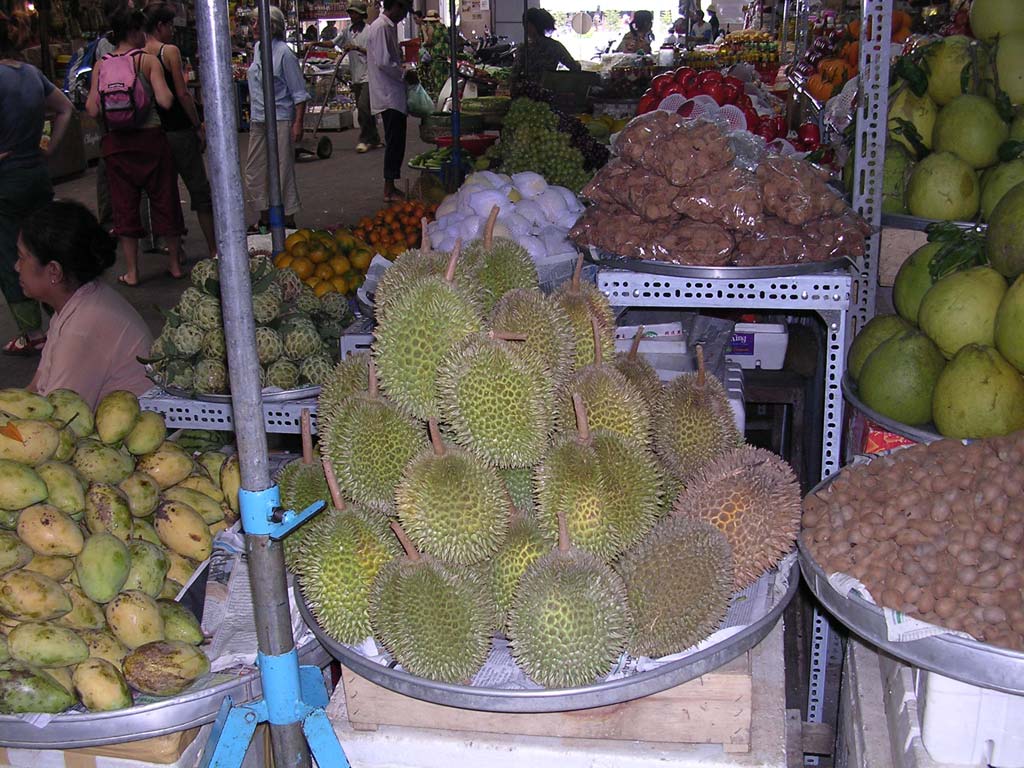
(337, 191)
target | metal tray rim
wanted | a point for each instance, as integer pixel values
(284, 396)
(917, 434)
(561, 699)
(652, 267)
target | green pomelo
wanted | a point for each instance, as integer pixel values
(913, 281)
(979, 394)
(971, 128)
(996, 18)
(921, 111)
(946, 60)
(1010, 65)
(1010, 325)
(961, 308)
(898, 165)
(944, 187)
(997, 182)
(899, 377)
(1017, 128)
(1005, 242)
(879, 329)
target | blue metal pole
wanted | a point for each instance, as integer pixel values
(276, 208)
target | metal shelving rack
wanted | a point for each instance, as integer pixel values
(182, 413)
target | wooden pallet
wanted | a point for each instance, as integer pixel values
(713, 709)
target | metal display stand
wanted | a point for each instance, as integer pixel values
(181, 413)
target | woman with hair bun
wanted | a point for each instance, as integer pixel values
(95, 336)
(640, 36)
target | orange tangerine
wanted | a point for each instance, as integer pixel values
(324, 286)
(323, 271)
(302, 267)
(296, 237)
(340, 265)
(360, 259)
(312, 281)
(282, 260)
(340, 284)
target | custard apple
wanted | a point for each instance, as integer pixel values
(300, 338)
(180, 374)
(330, 329)
(206, 313)
(268, 345)
(260, 266)
(163, 345)
(211, 376)
(188, 338)
(307, 301)
(266, 304)
(206, 276)
(335, 306)
(187, 304)
(290, 283)
(317, 369)
(214, 344)
(282, 374)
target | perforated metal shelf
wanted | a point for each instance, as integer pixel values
(180, 413)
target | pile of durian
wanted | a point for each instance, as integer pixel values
(499, 469)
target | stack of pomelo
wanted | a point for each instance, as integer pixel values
(326, 262)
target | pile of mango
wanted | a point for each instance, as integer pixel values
(102, 522)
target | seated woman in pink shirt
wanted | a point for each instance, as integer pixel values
(95, 336)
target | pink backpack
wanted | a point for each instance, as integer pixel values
(124, 99)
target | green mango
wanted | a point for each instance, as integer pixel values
(20, 486)
(147, 434)
(107, 509)
(30, 596)
(27, 689)
(116, 416)
(34, 443)
(44, 644)
(143, 493)
(102, 567)
(179, 622)
(168, 465)
(22, 404)
(49, 531)
(101, 686)
(165, 668)
(99, 463)
(134, 618)
(103, 645)
(148, 569)
(84, 613)
(72, 411)
(64, 487)
(14, 553)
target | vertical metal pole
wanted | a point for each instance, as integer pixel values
(266, 558)
(276, 212)
(453, 40)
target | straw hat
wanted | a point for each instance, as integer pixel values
(357, 6)
(432, 17)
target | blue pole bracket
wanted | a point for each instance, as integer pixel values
(262, 514)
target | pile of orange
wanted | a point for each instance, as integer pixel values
(394, 228)
(326, 261)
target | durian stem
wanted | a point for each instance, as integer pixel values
(563, 532)
(374, 389)
(435, 438)
(577, 272)
(332, 484)
(597, 340)
(410, 548)
(424, 240)
(306, 428)
(635, 346)
(502, 336)
(449, 274)
(582, 425)
(700, 365)
(492, 218)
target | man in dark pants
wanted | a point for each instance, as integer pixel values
(387, 80)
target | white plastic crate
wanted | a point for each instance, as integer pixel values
(759, 345)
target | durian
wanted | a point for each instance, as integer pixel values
(425, 322)
(519, 484)
(435, 619)
(569, 621)
(580, 302)
(545, 325)
(500, 265)
(638, 372)
(302, 482)
(524, 544)
(694, 422)
(409, 267)
(678, 583)
(753, 497)
(452, 504)
(350, 376)
(496, 404)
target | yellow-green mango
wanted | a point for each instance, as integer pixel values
(134, 618)
(72, 411)
(56, 567)
(143, 493)
(231, 484)
(30, 596)
(64, 487)
(168, 465)
(165, 668)
(106, 509)
(62, 675)
(14, 553)
(45, 644)
(84, 613)
(34, 443)
(147, 434)
(4, 653)
(204, 485)
(24, 688)
(207, 508)
(102, 566)
(171, 590)
(99, 463)
(67, 442)
(20, 486)
(220, 525)
(183, 530)
(212, 461)
(103, 645)
(143, 529)
(180, 623)
(49, 531)
(22, 404)
(9, 519)
(181, 569)
(101, 686)
(116, 416)
(148, 569)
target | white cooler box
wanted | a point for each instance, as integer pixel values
(759, 345)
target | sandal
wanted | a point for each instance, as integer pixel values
(24, 346)
(123, 280)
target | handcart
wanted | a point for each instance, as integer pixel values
(319, 62)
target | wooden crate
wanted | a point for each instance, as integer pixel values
(713, 709)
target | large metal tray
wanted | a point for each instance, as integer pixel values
(966, 660)
(268, 396)
(562, 699)
(925, 434)
(919, 224)
(654, 267)
(179, 713)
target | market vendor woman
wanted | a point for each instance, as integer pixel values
(95, 336)
(640, 36)
(540, 54)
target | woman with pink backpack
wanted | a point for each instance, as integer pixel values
(125, 85)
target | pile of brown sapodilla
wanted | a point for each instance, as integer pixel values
(673, 194)
(934, 531)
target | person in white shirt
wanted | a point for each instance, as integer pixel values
(387, 80)
(353, 40)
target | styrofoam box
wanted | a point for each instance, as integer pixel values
(759, 345)
(968, 725)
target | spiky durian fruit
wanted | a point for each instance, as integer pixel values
(435, 619)
(569, 620)
(638, 372)
(524, 544)
(497, 405)
(581, 302)
(302, 482)
(519, 484)
(545, 325)
(694, 422)
(612, 403)
(351, 375)
(425, 321)
(500, 264)
(607, 488)
(406, 270)
(753, 497)
(370, 443)
(678, 584)
(452, 504)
